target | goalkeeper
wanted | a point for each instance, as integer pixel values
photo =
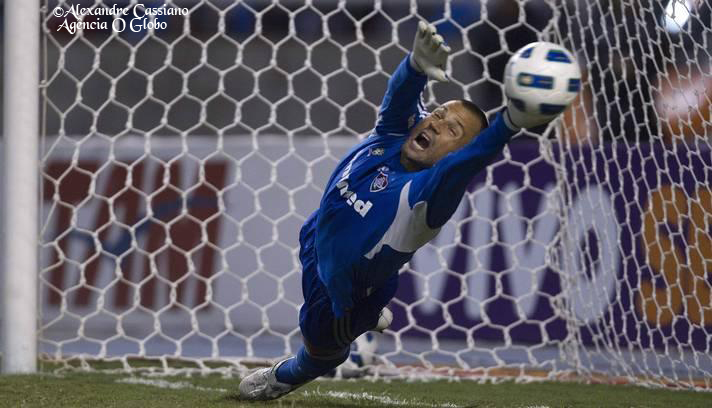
(388, 197)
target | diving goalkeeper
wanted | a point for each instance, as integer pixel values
(387, 197)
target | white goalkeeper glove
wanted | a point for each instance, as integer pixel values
(517, 119)
(430, 53)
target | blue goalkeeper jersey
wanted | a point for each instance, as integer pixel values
(375, 214)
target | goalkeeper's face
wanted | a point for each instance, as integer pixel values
(447, 129)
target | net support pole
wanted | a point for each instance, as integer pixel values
(20, 180)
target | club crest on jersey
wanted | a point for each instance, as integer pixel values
(376, 151)
(380, 182)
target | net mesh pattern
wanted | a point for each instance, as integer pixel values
(178, 164)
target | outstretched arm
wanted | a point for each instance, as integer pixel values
(402, 100)
(443, 185)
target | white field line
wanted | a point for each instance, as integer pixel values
(381, 399)
(177, 385)
(353, 396)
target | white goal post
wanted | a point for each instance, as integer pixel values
(184, 142)
(21, 57)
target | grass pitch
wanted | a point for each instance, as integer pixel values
(117, 390)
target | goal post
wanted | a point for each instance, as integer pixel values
(186, 141)
(21, 59)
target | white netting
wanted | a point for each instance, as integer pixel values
(178, 165)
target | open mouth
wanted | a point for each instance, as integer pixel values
(422, 141)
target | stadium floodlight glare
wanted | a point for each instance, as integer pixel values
(677, 14)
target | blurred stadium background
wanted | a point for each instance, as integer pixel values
(630, 59)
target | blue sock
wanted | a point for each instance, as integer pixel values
(303, 367)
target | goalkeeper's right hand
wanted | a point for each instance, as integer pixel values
(430, 53)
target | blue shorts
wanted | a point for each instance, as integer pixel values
(324, 336)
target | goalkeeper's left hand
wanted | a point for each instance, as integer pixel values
(430, 53)
(517, 119)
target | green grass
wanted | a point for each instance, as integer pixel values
(103, 390)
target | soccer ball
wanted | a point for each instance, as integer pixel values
(541, 80)
(363, 354)
(363, 349)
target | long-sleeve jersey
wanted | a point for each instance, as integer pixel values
(375, 214)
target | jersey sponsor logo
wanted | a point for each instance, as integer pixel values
(352, 200)
(376, 151)
(379, 183)
(360, 206)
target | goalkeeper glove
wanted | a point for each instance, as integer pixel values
(430, 53)
(516, 119)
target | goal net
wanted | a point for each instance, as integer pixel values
(184, 142)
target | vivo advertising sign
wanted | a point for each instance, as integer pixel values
(619, 243)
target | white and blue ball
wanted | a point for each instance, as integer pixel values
(541, 79)
(363, 350)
